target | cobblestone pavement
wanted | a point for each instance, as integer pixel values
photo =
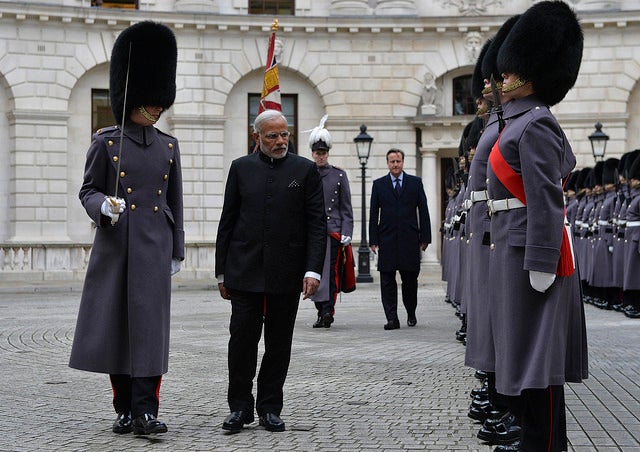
(352, 387)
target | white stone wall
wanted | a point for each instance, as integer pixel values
(359, 61)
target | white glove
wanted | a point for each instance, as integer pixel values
(345, 239)
(110, 204)
(541, 281)
(175, 266)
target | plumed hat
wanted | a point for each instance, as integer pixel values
(490, 61)
(151, 65)
(545, 47)
(610, 171)
(320, 138)
(477, 80)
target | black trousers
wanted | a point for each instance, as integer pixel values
(249, 311)
(328, 306)
(137, 395)
(389, 292)
(543, 420)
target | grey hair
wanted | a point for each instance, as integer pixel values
(265, 116)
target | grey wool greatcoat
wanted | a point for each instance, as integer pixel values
(272, 229)
(339, 218)
(399, 223)
(123, 322)
(539, 337)
(479, 352)
(632, 244)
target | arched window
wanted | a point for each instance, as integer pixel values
(463, 103)
(289, 104)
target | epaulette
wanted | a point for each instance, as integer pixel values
(104, 130)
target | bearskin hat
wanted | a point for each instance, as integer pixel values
(151, 67)
(630, 157)
(477, 125)
(490, 61)
(596, 175)
(477, 80)
(545, 47)
(582, 179)
(463, 150)
(634, 167)
(570, 184)
(610, 171)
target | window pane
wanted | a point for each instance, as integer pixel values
(101, 114)
(463, 103)
(132, 4)
(272, 7)
(289, 104)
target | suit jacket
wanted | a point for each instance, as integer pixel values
(398, 224)
(272, 229)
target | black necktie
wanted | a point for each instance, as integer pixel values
(397, 181)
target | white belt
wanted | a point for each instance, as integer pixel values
(633, 224)
(603, 222)
(578, 223)
(480, 195)
(496, 205)
(622, 222)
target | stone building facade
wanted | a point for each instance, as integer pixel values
(389, 64)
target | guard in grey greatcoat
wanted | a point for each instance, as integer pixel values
(339, 215)
(631, 283)
(537, 315)
(123, 323)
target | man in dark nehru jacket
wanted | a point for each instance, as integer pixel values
(123, 323)
(270, 247)
(537, 316)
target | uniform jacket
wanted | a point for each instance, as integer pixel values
(399, 223)
(123, 323)
(602, 269)
(339, 219)
(539, 338)
(272, 229)
(479, 352)
(632, 244)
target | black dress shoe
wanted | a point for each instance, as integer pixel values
(236, 420)
(513, 447)
(412, 321)
(147, 424)
(503, 433)
(122, 424)
(392, 325)
(272, 422)
(327, 320)
(319, 323)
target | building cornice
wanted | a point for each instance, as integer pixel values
(119, 18)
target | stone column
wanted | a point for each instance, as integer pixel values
(349, 7)
(396, 8)
(431, 181)
(201, 6)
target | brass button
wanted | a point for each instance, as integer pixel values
(159, 192)
(99, 131)
(155, 208)
(165, 177)
(493, 246)
(133, 207)
(461, 238)
(467, 241)
(121, 173)
(170, 145)
(170, 161)
(110, 142)
(115, 158)
(129, 190)
(471, 235)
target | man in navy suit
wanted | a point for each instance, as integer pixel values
(400, 229)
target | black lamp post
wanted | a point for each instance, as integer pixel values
(598, 142)
(363, 148)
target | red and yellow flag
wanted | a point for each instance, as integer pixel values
(270, 98)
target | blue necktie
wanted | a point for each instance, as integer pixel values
(397, 181)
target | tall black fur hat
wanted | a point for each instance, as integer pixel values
(596, 175)
(570, 185)
(582, 179)
(490, 61)
(463, 151)
(610, 171)
(475, 131)
(152, 68)
(634, 168)
(545, 47)
(477, 80)
(630, 158)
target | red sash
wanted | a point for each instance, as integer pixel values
(344, 267)
(513, 182)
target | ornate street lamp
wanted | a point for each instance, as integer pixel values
(363, 148)
(598, 142)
